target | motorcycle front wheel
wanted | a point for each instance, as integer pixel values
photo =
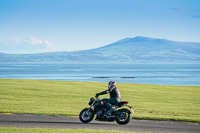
(86, 115)
(124, 116)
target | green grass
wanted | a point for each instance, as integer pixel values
(161, 102)
(53, 130)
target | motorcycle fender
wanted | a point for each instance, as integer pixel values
(130, 108)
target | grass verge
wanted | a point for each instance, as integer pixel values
(161, 102)
(54, 130)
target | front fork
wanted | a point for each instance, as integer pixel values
(91, 108)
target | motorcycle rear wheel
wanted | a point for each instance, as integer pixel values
(86, 115)
(124, 117)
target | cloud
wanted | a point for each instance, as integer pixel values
(17, 40)
(179, 8)
(11, 41)
(34, 41)
(196, 14)
(48, 45)
(27, 45)
(31, 40)
(187, 11)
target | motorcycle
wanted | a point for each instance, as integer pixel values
(97, 106)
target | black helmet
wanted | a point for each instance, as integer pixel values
(111, 83)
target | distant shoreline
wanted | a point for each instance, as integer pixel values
(110, 77)
(160, 74)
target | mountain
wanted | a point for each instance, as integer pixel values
(129, 50)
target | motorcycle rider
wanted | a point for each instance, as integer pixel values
(115, 96)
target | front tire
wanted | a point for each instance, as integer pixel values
(86, 115)
(124, 116)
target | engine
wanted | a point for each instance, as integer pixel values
(100, 112)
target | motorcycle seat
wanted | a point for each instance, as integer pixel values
(120, 103)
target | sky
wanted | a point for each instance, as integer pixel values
(35, 26)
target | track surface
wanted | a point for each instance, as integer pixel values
(44, 121)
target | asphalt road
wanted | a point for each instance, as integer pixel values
(44, 121)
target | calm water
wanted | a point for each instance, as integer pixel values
(164, 74)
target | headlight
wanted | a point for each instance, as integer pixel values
(91, 101)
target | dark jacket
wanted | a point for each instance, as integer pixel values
(114, 92)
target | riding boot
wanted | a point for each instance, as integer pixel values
(111, 109)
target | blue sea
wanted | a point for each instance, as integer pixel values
(162, 74)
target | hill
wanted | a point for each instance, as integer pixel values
(129, 50)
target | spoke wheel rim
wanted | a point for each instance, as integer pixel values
(86, 115)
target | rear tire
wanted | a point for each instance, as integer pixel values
(124, 117)
(86, 115)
